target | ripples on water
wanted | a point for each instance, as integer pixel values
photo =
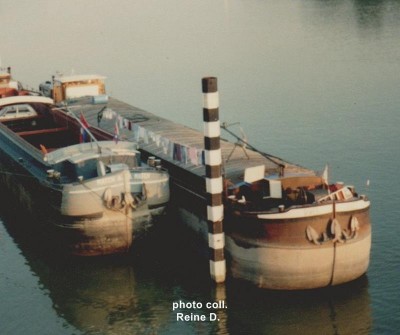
(313, 81)
(133, 294)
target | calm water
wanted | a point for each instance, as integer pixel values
(312, 81)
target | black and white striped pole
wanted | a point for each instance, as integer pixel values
(214, 183)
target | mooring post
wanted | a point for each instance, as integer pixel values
(214, 184)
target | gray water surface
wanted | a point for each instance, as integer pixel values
(312, 81)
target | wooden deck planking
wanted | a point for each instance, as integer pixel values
(180, 134)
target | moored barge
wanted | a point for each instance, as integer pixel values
(285, 226)
(93, 197)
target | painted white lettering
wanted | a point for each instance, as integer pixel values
(213, 317)
(190, 317)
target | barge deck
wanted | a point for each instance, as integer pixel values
(155, 134)
(281, 226)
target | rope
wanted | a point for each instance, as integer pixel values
(267, 156)
(121, 210)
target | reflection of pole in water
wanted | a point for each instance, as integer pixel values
(332, 316)
(222, 314)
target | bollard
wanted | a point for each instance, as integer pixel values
(214, 186)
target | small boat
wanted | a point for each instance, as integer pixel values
(94, 196)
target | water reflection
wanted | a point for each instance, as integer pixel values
(133, 294)
(105, 297)
(368, 14)
(371, 14)
(95, 295)
(340, 310)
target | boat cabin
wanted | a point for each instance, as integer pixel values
(34, 119)
(58, 136)
(76, 86)
(17, 112)
(260, 192)
(8, 87)
(90, 160)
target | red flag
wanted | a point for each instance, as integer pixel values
(85, 125)
(84, 122)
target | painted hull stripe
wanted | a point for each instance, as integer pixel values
(103, 187)
(317, 210)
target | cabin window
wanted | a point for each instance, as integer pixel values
(130, 160)
(11, 112)
(22, 110)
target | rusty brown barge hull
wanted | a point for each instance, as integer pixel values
(273, 253)
(280, 252)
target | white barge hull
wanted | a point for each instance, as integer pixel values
(286, 268)
(276, 253)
